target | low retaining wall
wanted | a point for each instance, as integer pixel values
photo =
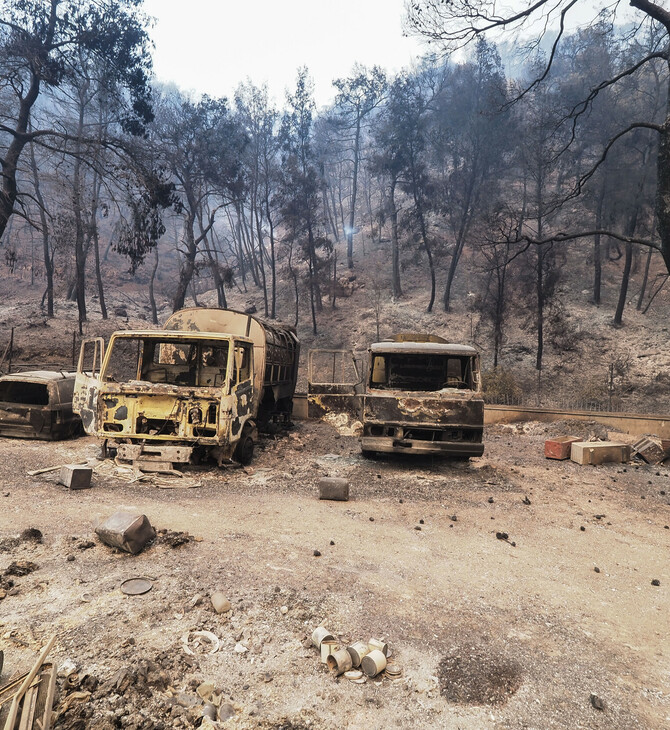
(636, 424)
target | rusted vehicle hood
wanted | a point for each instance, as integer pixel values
(455, 407)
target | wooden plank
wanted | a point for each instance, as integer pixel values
(11, 718)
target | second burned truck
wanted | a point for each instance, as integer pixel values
(202, 386)
(417, 394)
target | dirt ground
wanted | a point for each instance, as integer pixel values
(489, 633)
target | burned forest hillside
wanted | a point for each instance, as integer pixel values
(588, 362)
(512, 202)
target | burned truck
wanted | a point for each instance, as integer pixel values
(38, 404)
(421, 395)
(201, 387)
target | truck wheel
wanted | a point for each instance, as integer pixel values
(244, 452)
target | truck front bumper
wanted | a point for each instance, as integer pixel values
(389, 445)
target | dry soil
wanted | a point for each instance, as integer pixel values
(489, 633)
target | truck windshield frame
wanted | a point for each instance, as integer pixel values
(421, 372)
(179, 362)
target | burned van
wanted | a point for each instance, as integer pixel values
(421, 395)
(37, 404)
(202, 386)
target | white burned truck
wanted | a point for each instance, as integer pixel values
(421, 395)
(201, 387)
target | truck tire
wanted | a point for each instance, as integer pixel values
(244, 451)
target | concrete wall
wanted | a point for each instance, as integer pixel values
(636, 424)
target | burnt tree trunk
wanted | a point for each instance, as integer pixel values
(395, 251)
(623, 291)
(44, 225)
(597, 254)
(354, 191)
(645, 280)
(152, 279)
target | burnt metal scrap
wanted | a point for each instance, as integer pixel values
(421, 395)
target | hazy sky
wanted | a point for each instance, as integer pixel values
(211, 47)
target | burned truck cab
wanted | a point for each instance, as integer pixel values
(423, 397)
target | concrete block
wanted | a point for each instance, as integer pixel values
(335, 488)
(75, 477)
(559, 448)
(599, 452)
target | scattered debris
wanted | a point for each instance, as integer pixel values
(334, 488)
(226, 711)
(136, 586)
(358, 650)
(66, 668)
(526, 501)
(192, 642)
(339, 662)
(650, 450)
(172, 479)
(374, 663)
(30, 692)
(126, 531)
(656, 582)
(353, 661)
(173, 539)
(317, 554)
(20, 568)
